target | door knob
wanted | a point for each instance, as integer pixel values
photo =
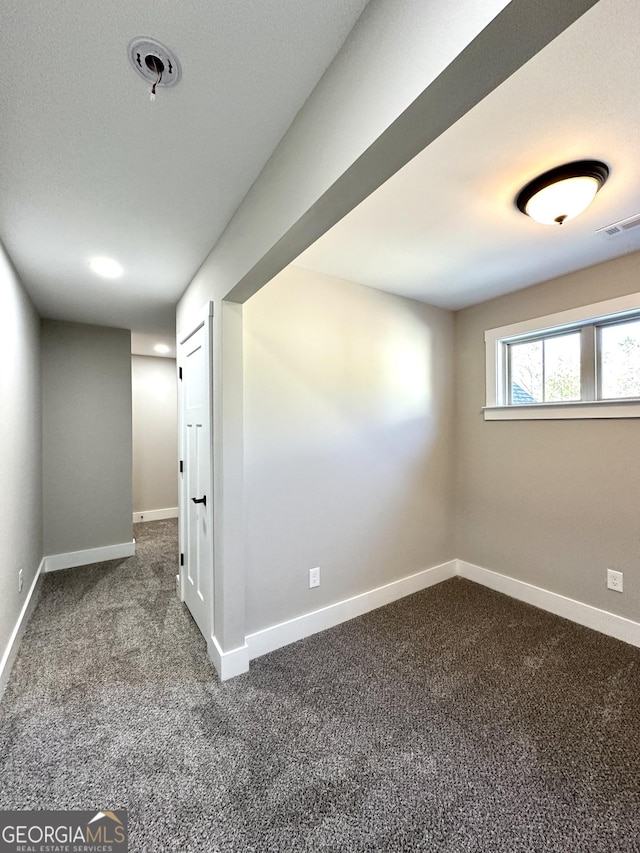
(202, 500)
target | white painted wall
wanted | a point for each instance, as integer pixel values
(86, 400)
(348, 441)
(155, 433)
(20, 447)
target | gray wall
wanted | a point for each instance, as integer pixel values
(313, 179)
(155, 433)
(86, 375)
(20, 443)
(348, 441)
(553, 503)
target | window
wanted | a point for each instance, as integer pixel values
(619, 353)
(545, 370)
(581, 363)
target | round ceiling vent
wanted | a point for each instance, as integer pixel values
(154, 61)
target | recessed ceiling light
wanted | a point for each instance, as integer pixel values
(161, 348)
(106, 267)
(562, 193)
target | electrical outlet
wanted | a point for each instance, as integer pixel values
(614, 580)
(314, 577)
(20, 581)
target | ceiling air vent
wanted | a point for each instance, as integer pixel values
(619, 227)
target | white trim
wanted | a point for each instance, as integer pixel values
(205, 319)
(563, 411)
(236, 661)
(584, 614)
(55, 562)
(11, 651)
(228, 664)
(495, 346)
(582, 314)
(155, 514)
(276, 636)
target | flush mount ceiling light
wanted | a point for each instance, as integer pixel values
(106, 267)
(161, 348)
(563, 192)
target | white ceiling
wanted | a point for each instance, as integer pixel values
(445, 229)
(89, 166)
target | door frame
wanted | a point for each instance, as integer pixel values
(227, 647)
(204, 318)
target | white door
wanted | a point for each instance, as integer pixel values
(196, 494)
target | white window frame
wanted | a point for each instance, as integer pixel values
(497, 406)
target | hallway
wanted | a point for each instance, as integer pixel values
(109, 670)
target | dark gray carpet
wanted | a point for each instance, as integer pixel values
(454, 720)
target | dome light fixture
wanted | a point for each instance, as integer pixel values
(563, 192)
(163, 348)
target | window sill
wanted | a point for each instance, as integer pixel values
(562, 411)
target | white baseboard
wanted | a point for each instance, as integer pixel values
(155, 514)
(228, 664)
(584, 614)
(276, 636)
(236, 661)
(9, 656)
(55, 562)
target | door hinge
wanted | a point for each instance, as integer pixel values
(182, 559)
(179, 373)
(181, 466)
